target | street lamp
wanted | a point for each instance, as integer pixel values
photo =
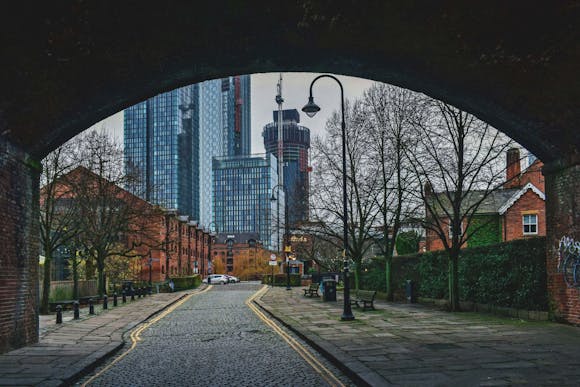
(286, 231)
(311, 109)
(212, 236)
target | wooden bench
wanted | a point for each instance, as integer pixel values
(312, 290)
(367, 297)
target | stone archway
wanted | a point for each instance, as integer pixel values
(67, 66)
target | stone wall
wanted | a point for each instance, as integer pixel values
(19, 247)
(563, 220)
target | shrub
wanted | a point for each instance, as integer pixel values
(511, 274)
(407, 242)
(281, 280)
(189, 282)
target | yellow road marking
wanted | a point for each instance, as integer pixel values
(135, 334)
(324, 372)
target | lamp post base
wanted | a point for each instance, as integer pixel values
(347, 317)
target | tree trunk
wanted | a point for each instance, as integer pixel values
(454, 281)
(389, 277)
(101, 275)
(46, 282)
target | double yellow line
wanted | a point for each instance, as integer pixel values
(136, 333)
(324, 372)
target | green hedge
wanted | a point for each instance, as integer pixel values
(281, 279)
(184, 283)
(511, 274)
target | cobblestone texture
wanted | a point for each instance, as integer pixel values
(212, 339)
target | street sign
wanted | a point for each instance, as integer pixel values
(273, 257)
(273, 263)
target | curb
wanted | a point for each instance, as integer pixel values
(117, 346)
(360, 374)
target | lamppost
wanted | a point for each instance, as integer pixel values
(286, 231)
(311, 109)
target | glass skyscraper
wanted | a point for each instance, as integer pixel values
(160, 147)
(171, 139)
(296, 166)
(242, 187)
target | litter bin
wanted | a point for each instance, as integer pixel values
(329, 290)
(411, 292)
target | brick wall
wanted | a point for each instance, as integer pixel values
(563, 219)
(19, 248)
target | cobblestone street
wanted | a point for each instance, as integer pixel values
(212, 339)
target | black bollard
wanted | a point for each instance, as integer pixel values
(59, 314)
(144, 292)
(91, 306)
(124, 296)
(105, 302)
(138, 292)
(76, 310)
(115, 299)
(132, 294)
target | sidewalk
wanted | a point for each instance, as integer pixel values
(68, 350)
(411, 344)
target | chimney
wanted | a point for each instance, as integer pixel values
(513, 168)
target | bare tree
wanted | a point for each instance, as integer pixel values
(458, 159)
(57, 214)
(111, 221)
(389, 111)
(361, 184)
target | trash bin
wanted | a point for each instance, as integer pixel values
(411, 292)
(329, 290)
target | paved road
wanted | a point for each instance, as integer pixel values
(212, 339)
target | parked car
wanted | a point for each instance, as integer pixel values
(233, 278)
(217, 279)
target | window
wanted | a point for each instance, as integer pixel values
(530, 223)
(451, 230)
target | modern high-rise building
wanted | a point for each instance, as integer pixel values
(161, 148)
(243, 187)
(296, 144)
(224, 130)
(171, 139)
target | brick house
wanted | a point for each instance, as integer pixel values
(515, 211)
(170, 246)
(242, 255)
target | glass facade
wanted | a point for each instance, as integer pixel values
(296, 165)
(170, 141)
(159, 148)
(224, 130)
(242, 188)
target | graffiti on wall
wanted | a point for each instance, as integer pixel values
(569, 261)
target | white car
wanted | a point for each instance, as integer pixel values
(216, 279)
(233, 278)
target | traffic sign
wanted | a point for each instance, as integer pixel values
(273, 257)
(273, 263)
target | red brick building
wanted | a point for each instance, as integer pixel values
(240, 254)
(164, 244)
(515, 211)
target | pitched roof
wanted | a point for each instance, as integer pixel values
(515, 197)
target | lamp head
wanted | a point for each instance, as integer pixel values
(273, 197)
(311, 108)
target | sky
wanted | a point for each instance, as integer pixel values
(295, 88)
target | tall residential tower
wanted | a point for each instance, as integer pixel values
(295, 156)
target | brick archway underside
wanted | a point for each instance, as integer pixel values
(67, 66)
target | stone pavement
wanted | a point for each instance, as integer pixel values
(68, 350)
(411, 344)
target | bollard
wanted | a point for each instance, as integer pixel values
(91, 306)
(76, 310)
(105, 302)
(144, 292)
(115, 299)
(138, 292)
(132, 294)
(124, 296)
(59, 314)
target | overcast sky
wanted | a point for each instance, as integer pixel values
(295, 93)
